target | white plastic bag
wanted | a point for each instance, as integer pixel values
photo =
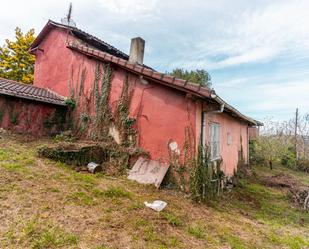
(156, 205)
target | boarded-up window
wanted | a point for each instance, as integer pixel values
(214, 140)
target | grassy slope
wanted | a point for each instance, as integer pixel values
(46, 205)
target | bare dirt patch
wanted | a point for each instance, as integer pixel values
(281, 180)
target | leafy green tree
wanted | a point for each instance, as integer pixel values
(199, 76)
(15, 61)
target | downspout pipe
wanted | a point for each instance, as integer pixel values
(214, 96)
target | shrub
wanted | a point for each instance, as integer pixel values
(288, 159)
(303, 165)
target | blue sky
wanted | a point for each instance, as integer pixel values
(257, 51)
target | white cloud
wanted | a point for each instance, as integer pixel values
(259, 34)
(257, 51)
(254, 55)
(133, 9)
(275, 97)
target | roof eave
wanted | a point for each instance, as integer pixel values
(182, 85)
(32, 98)
(250, 121)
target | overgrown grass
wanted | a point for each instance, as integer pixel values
(40, 234)
(16, 160)
(117, 192)
(263, 203)
(48, 237)
(197, 231)
(81, 198)
(106, 212)
(172, 219)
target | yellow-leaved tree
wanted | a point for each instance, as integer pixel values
(15, 61)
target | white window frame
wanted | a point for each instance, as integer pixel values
(214, 141)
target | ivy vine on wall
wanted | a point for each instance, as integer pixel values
(92, 116)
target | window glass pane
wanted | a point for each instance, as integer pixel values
(214, 140)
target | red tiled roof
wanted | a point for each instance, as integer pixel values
(145, 71)
(189, 87)
(25, 91)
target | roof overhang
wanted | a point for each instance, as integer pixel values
(30, 92)
(78, 33)
(199, 91)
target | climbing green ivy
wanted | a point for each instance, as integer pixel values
(57, 119)
(13, 115)
(206, 176)
(95, 121)
(103, 114)
(123, 122)
(180, 165)
(71, 103)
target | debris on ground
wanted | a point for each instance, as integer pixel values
(300, 197)
(298, 192)
(147, 171)
(281, 180)
(94, 167)
(156, 205)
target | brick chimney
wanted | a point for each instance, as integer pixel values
(137, 50)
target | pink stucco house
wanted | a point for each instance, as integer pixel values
(167, 111)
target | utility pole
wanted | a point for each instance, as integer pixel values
(295, 135)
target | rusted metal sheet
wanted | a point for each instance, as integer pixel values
(148, 172)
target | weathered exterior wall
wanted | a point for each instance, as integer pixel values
(28, 117)
(162, 114)
(253, 132)
(56, 65)
(239, 138)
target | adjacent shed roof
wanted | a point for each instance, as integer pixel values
(25, 91)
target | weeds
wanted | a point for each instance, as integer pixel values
(196, 231)
(172, 219)
(81, 198)
(117, 192)
(251, 216)
(38, 234)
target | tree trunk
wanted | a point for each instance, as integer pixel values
(270, 164)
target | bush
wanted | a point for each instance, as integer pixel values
(288, 159)
(256, 157)
(303, 165)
